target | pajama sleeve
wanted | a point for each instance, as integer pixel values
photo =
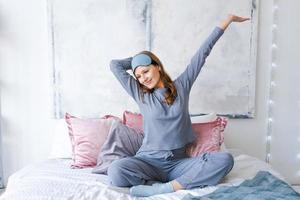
(119, 68)
(188, 77)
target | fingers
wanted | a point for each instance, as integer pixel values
(239, 19)
(245, 19)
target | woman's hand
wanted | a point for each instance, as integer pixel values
(235, 18)
(232, 18)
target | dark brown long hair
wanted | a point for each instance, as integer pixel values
(171, 91)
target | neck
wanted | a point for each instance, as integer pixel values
(160, 84)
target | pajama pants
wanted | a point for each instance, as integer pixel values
(163, 166)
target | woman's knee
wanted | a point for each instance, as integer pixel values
(116, 174)
(222, 159)
(226, 160)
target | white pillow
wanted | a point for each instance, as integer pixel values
(204, 118)
(61, 144)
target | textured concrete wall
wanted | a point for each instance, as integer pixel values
(88, 34)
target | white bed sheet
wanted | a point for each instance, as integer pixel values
(53, 179)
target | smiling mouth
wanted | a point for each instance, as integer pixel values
(147, 83)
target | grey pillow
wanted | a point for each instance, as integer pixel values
(122, 141)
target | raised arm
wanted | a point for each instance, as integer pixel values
(119, 68)
(231, 18)
(188, 77)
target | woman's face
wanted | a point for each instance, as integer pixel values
(148, 76)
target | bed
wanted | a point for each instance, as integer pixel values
(54, 179)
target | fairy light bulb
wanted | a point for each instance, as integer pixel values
(274, 65)
(275, 8)
(268, 157)
(274, 46)
(273, 84)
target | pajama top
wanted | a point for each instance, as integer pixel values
(166, 127)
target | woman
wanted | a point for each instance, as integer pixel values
(167, 126)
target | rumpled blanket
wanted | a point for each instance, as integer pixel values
(264, 186)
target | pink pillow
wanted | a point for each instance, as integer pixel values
(209, 137)
(133, 120)
(87, 137)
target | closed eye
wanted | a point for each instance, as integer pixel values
(142, 73)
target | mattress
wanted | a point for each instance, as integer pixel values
(54, 179)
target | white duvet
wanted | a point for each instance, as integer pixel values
(53, 179)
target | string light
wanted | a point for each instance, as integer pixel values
(271, 102)
(268, 157)
(274, 65)
(275, 7)
(274, 27)
(272, 84)
(274, 46)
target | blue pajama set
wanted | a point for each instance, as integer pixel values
(167, 130)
